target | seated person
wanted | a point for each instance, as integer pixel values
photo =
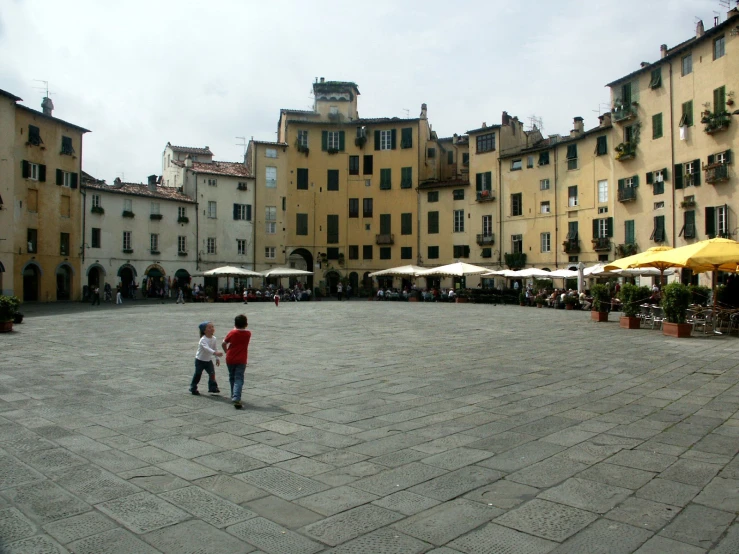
(585, 302)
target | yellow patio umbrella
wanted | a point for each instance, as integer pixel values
(653, 257)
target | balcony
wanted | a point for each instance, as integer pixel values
(625, 151)
(97, 210)
(517, 260)
(602, 244)
(624, 112)
(715, 123)
(571, 246)
(486, 239)
(241, 186)
(716, 173)
(387, 238)
(626, 249)
(627, 194)
(485, 195)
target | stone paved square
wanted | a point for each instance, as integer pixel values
(361, 433)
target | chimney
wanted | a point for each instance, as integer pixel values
(505, 120)
(663, 50)
(424, 109)
(323, 80)
(699, 30)
(117, 183)
(188, 161)
(455, 138)
(47, 105)
(605, 119)
(152, 183)
(484, 125)
(579, 127)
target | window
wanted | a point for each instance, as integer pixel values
(433, 196)
(64, 244)
(211, 245)
(601, 146)
(303, 139)
(544, 207)
(657, 180)
(572, 196)
(367, 207)
(67, 148)
(385, 224)
(212, 211)
(626, 93)
(367, 168)
(487, 225)
(603, 228)
(689, 176)
(658, 232)
(461, 251)
(406, 177)
(530, 161)
(687, 65)
(406, 137)
(354, 207)
(367, 252)
(270, 177)
(688, 229)
(301, 224)
(516, 165)
(717, 221)
(241, 247)
(546, 242)
(602, 191)
(656, 79)
(544, 184)
(517, 244)
(32, 200)
(387, 141)
(154, 208)
(573, 232)
(459, 221)
(181, 244)
(486, 143)
(629, 233)
(719, 47)
(431, 153)
(602, 209)
(361, 132)
(126, 240)
(458, 194)
(269, 252)
(406, 252)
(657, 126)
(68, 179)
(332, 180)
(385, 179)
(406, 224)
(128, 205)
(270, 218)
(212, 182)
(659, 205)
(686, 119)
(353, 165)
(353, 252)
(96, 202)
(722, 158)
(484, 182)
(154, 242)
(34, 172)
(450, 157)
(270, 153)
(433, 223)
(465, 158)
(517, 204)
(544, 158)
(433, 253)
(32, 240)
(34, 135)
(385, 253)
(95, 238)
(242, 212)
(181, 212)
(332, 229)
(572, 156)
(719, 100)
(332, 141)
(302, 178)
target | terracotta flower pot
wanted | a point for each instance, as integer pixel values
(678, 330)
(412, 299)
(569, 306)
(6, 326)
(599, 316)
(461, 300)
(629, 322)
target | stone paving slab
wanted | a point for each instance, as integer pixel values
(354, 441)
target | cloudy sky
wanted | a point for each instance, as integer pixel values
(142, 73)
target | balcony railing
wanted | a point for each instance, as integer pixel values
(625, 151)
(388, 238)
(601, 244)
(626, 249)
(486, 239)
(571, 246)
(517, 260)
(627, 194)
(485, 195)
(717, 173)
(624, 112)
(715, 123)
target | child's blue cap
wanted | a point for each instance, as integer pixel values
(202, 326)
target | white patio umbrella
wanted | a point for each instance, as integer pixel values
(532, 272)
(231, 271)
(284, 272)
(400, 271)
(457, 269)
(500, 273)
(563, 274)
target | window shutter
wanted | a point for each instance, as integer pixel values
(324, 140)
(650, 178)
(248, 212)
(635, 181)
(25, 169)
(696, 173)
(377, 140)
(678, 176)
(74, 177)
(59, 177)
(393, 136)
(727, 155)
(711, 222)
(711, 159)
(489, 179)
(595, 228)
(42, 173)
(609, 227)
(621, 183)
(236, 211)
(478, 182)
(664, 174)
(341, 140)
(466, 251)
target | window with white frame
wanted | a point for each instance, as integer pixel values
(303, 138)
(212, 209)
(181, 212)
(270, 177)
(269, 252)
(459, 221)
(602, 209)
(126, 240)
(603, 191)
(487, 225)
(242, 212)
(181, 244)
(689, 169)
(241, 247)
(332, 140)
(722, 158)
(722, 221)
(270, 153)
(270, 217)
(572, 196)
(517, 244)
(546, 242)
(211, 245)
(386, 138)
(33, 171)
(629, 182)
(516, 164)
(545, 208)
(544, 184)
(602, 228)
(68, 179)
(96, 202)
(154, 242)
(212, 182)
(127, 205)
(155, 208)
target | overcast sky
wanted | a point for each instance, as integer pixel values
(141, 73)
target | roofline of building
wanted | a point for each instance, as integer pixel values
(562, 140)
(52, 118)
(110, 188)
(481, 129)
(354, 122)
(11, 96)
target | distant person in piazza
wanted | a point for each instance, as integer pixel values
(276, 298)
(207, 350)
(236, 347)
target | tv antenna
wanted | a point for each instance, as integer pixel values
(601, 107)
(407, 113)
(45, 88)
(536, 122)
(242, 143)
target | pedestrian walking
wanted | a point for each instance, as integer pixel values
(207, 350)
(236, 347)
(339, 291)
(95, 295)
(118, 296)
(180, 296)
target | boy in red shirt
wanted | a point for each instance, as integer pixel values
(236, 346)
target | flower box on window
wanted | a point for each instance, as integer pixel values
(182, 253)
(183, 219)
(332, 150)
(127, 213)
(155, 217)
(360, 141)
(97, 210)
(128, 251)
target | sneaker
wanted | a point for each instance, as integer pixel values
(214, 391)
(237, 404)
(195, 392)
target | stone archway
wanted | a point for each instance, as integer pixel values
(95, 275)
(333, 278)
(300, 258)
(127, 275)
(31, 273)
(64, 274)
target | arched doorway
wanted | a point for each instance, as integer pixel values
(64, 274)
(332, 278)
(182, 278)
(354, 282)
(367, 281)
(127, 275)
(300, 258)
(31, 282)
(155, 275)
(95, 276)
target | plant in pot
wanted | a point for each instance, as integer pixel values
(570, 302)
(630, 295)
(539, 301)
(522, 299)
(8, 310)
(601, 302)
(676, 298)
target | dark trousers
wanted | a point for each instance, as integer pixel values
(201, 366)
(96, 299)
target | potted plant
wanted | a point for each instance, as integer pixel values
(570, 302)
(630, 296)
(522, 299)
(463, 297)
(209, 293)
(601, 302)
(539, 301)
(8, 309)
(676, 298)
(730, 98)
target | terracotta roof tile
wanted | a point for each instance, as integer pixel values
(137, 189)
(190, 149)
(229, 169)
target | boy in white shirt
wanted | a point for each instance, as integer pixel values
(207, 349)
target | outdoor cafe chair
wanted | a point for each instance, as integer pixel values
(658, 317)
(733, 322)
(645, 314)
(703, 320)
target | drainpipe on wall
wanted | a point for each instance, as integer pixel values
(556, 213)
(672, 158)
(418, 195)
(254, 213)
(500, 209)
(197, 222)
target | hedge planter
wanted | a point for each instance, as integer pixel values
(629, 322)
(599, 316)
(678, 330)
(415, 299)
(6, 326)
(569, 306)
(461, 300)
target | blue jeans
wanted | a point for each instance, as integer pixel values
(236, 378)
(201, 366)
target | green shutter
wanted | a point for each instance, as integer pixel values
(433, 222)
(324, 140)
(406, 224)
(341, 141)
(609, 227)
(626, 94)
(377, 140)
(302, 178)
(629, 231)
(727, 154)
(478, 182)
(73, 183)
(393, 137)
(236, 211)
(711, 159)
(25, 169)
(406, 137)
(489, 179)
(678, 176)
(332, 228)
(635, 181)
(711, 222)
(42, 173)
(650, 178)
(595, 228)
(719, 100)
(664, 174)
(60, 177)
(621, 183)
(696, 173)
(385, 227)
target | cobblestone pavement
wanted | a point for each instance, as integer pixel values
(369, 428)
